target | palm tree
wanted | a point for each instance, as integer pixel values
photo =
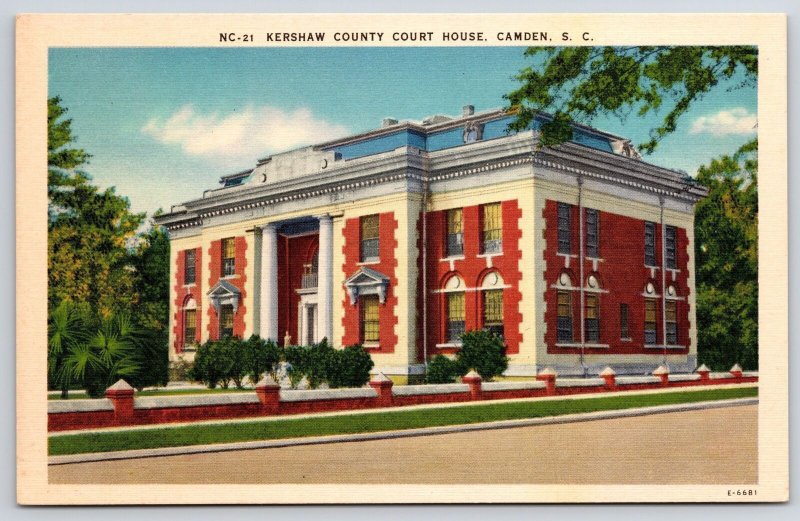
(92, 356)
(65, 332)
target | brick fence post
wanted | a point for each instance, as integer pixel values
(736, 371)
(121, 396)
(663, 373)
(704, 373)
(383, 386)
(548, 376)
(473, 380)
(610, 377)
(269, 394)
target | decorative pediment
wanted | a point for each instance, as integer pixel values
(367, 281)
(224, 293)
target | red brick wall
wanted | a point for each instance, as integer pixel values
(239, 279)
(293, 253)
(386, 265)
(622, 275)
(182, 295)
(472, 270)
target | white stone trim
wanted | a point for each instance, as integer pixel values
(412, 390)
(81, 405)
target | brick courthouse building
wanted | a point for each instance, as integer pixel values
(403, 237)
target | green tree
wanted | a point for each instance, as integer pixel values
(726, 235)
(89, 230)
(579, 83)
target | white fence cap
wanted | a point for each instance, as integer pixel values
(661, 370)
(121, 385)
(548, 371)
(736, 367)
(703, 369)
(607, 371)
(378, 376)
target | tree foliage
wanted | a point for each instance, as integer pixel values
(108, 286)
(579, 83)
(726, 235)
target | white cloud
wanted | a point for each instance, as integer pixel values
(252, 132)
(734, 121)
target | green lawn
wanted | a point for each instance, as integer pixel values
(288, 427)
(77, 395)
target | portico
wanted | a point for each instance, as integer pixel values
(295, 280)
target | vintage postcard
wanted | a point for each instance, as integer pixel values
(401, 258)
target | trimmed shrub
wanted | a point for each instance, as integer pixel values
(483, 351)
(350, 367)
(443, 370)
(261, 357)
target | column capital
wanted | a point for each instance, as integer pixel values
(324, 217)
(268, 227)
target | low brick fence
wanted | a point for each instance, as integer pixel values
(121, 407)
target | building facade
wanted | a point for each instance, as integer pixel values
(406, 236)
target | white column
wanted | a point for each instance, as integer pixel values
(269, 283)
(325, 278)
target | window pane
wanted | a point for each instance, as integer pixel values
(370, 322)
(455, 316)
(564, 326)
(492, 228)
(370, 245)
(455, 236)
(190, 326)
(493, 307)
(564, 228)
(228, 257)
(669, 246)
(672, 325)
(369, 227)
(592, 233)
(649, 321)
(226, 321)
(649, 244)
(189, 267)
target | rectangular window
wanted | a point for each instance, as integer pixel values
(649, 244)
(225, 321)
(493, 311)
(623, 322)
(564, 228)
(228, 257)
(492, 236)
(650, 322)
(189, 327)
(592, 319)
(592, 231)
(370, 319)
(671, 311)
(669, 247)
(564, 317)
(455, 232)
(370, 243)
(189, 273)
(455, 317)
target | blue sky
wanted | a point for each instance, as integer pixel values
(164, 124)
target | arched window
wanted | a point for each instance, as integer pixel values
(189, 324)
(492, 303)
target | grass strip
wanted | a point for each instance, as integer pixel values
(371, 422)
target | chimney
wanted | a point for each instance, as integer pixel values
(388, 122)
(468, 110)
